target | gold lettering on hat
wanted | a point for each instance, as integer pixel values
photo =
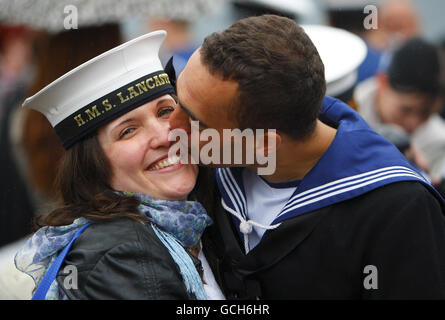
(132, 92)
(79, 120)
(93, 113)
(121, 98)
(158, 83)
(141, 85)
(162, 79)
(164, 76)
(148, 84)
(107, 105)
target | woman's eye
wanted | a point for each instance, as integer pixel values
(165, 111)
(126, 132)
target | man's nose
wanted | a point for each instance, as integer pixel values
(179, 120)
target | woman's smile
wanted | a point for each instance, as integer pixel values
(164, 163)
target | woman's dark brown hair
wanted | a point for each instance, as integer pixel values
(83, 187)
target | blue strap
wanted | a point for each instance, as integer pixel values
(52, 272)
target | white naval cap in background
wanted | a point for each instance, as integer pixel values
(342, 52)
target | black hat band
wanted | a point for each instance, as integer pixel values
(114, 104)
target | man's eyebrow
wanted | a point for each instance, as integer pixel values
(191, 115)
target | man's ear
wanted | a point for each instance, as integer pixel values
(266, 146)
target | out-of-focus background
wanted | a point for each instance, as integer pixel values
(396, 84)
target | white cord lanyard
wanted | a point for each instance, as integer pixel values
(246, 225)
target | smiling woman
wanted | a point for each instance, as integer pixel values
(125, 224)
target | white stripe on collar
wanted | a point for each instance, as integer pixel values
(239, 191)
(354, 179)
(299, 201)
(230, 190)
(234, 191)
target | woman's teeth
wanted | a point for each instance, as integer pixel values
(164, 163)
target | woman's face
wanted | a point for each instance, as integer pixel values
(136, 145)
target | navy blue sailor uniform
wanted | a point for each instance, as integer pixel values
(362, 207)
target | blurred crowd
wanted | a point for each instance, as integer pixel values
(398, 89)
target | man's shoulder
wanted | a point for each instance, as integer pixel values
(395, 195)
(402, 189)
(406, 200)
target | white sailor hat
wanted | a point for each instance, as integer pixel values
(104, 88)
(342, 52)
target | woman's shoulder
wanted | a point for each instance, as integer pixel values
(114, 259)
(115, 231)
(101, 237)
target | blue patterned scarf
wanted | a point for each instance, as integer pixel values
(185, 220)
(178, 224)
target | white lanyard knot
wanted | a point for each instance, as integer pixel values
(246, 225)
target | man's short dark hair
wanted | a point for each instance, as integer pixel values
(280, 75)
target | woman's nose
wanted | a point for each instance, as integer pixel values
(179, 120)
(159, 137)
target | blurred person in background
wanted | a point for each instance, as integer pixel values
(441, 182)
(409, 95)
(33, 147)
(442, 72)
(397, 21)
(342, 52)
(16, 210)
(402, 140)
(15, 58)
(179, 43)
